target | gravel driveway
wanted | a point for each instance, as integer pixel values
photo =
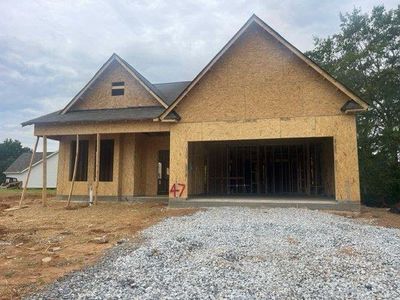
(246, 254)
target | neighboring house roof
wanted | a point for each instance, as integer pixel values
(103, 115)
(22, 162)
(139, 77)
(256, 20)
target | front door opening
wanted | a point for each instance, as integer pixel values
(163, 172)
(301, 167)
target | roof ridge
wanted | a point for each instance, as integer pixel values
(160, 83)
(144, 79)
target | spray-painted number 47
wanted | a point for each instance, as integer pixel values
(177, 189)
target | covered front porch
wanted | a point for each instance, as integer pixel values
(130, 165)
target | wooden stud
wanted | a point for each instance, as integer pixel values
(273, 170)
(97, 167)
(44, 178)
(308, 169)
(74, 172)
(29, 173)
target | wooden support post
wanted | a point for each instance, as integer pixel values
(96, 185)
(44, 162)
(29, 173)
(273, 170)
(308, 169)
(74, 172)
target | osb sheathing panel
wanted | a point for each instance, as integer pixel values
(93, 128)
(126, 164)
(82, 187)
(139, 166)
(196, 169)
(62, 175)
(98, 95)
(134, 170)
(64, 165)
(138, 163)
(152, 145)
(340, 127)
(327, 167)
(258, 78)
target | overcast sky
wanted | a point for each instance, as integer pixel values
(50, 49)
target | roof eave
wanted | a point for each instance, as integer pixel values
(353, 111)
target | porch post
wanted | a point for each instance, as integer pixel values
(74, 172)
(29, 173)
(44, 189)
(96, 185)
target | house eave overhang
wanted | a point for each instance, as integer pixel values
(352, 107)
(353, 111)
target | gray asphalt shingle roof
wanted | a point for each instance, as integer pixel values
(167, 91)
(22, 162)
(171, 90)
(102, 115)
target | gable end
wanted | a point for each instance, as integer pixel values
(133, 72)
(256, 20)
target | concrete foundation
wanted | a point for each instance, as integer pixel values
(314, 203)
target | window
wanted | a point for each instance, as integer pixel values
(106, 160)
(82, 167)
(118, 88)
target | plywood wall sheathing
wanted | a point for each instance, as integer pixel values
(258, 78)
(341, 127)
(98, 96)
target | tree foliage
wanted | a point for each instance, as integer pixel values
(9, 151)
(365, 56)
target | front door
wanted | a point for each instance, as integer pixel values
(163, 172)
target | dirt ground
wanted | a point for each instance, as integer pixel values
(373, 216)
(40, 244)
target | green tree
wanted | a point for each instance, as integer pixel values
(9, 151)
(365, 56)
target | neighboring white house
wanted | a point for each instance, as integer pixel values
(19, 169)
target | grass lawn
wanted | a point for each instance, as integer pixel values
(14, 192)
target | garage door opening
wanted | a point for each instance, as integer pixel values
(289, 167)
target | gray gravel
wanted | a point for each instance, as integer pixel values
(240, 253)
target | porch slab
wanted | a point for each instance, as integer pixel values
(139, 199)
(310, 203)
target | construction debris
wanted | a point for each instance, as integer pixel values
(16, 208)
(46, 259)
(100, 240)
